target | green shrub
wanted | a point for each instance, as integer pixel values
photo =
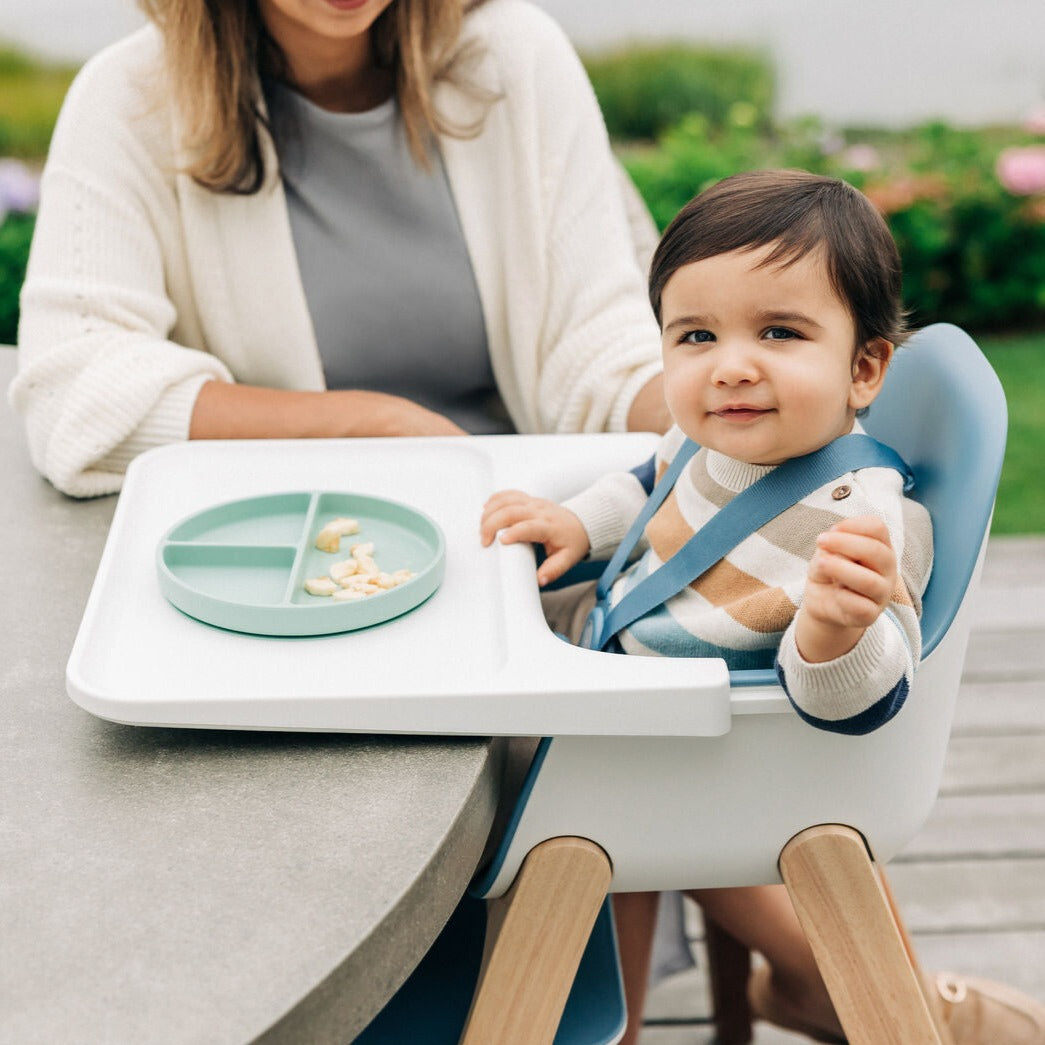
(689, 158)
(31, 94)
(15, 233)
(645, 90)
(973, 253)
(1020, 363)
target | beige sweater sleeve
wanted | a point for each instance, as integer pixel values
(141, 286)
(100, 377)
(557, 238)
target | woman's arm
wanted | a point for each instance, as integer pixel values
(541, 197)
(111, 341)
(649, 411)
(229, 411)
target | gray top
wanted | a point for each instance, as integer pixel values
(383, 261)
(165, 886)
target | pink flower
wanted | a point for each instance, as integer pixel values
(861, 157)
(1021, 170)
(1035, 122)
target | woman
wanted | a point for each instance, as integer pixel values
(329, 218)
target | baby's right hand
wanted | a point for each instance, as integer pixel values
(521, 517)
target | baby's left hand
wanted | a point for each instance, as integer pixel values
(851, 579)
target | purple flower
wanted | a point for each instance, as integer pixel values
(19, 188)
(831, 143)
(1021, 169)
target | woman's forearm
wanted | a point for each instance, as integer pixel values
(649, 411)
(231, 411)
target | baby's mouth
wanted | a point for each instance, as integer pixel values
(740, 413)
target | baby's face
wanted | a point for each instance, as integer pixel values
(759, 362)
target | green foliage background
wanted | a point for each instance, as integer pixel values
(682, 117)
(1019, 361)
(31, 93)
(15, 235)
(644, 91)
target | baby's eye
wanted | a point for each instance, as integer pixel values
(696, 337)
(779, 334)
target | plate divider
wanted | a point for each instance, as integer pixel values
(302, 549)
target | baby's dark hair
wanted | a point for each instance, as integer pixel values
(799, 213)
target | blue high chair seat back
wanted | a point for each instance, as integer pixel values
(964, 435)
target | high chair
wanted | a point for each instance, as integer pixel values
(769, 799)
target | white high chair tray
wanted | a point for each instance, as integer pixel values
(475, 658)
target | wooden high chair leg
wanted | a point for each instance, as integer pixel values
(729, 968)
(856, 942)
(535, 937)
(887, 891)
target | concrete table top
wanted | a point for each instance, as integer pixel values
(168, 886)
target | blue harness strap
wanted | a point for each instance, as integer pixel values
(750, 510)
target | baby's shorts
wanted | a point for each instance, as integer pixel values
(566, 609)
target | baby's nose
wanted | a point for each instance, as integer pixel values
(735, 364)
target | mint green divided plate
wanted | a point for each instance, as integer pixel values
(243, 565)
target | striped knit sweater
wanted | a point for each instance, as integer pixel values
(743, 608)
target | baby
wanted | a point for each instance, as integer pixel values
(778, 298)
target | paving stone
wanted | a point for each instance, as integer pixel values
(1005, 655)
(971, 896)
(995, 764)
(1010, 826)
(1000, 706)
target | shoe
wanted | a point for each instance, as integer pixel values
(982, 1012)
(970, 1010)
(768, 1004)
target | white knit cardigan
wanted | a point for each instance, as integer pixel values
(142, 285)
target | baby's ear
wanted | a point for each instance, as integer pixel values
(869, 370)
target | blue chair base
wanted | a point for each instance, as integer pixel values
(431, 1007)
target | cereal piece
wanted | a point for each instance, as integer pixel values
(345, 568)
(360, 586)
(347, 595)
(320, 586)
(329, 538)
(355, 580)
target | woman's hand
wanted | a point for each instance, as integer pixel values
(394, 415)
(231, 411)
(851, 579)
(521, 517)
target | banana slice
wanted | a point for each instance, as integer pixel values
(321, 586)
(329, 538)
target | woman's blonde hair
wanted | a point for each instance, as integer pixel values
(215, 53)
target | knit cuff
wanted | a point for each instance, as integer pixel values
(848, 685)
(167, 422)
(607, 508)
